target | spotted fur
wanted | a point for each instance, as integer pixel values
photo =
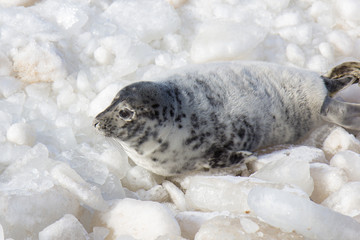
(213, 115)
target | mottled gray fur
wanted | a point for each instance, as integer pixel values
(213, 115)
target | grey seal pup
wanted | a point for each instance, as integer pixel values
(216, 115)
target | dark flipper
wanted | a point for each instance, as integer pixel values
(344, 114)
(342, 76)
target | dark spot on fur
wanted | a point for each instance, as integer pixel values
(163, 147)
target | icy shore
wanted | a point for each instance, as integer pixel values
(62, 62)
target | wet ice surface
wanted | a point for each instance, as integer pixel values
(62, 62)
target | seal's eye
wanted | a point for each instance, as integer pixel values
(126, 114)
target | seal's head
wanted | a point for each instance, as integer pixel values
(140, 116)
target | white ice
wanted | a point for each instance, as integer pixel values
(62, 62)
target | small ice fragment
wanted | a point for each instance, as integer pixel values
(224, 193)
(288, 171)
(176, 195)
(293, 213)
(100, 233)
(348, 161)
(116, 160)
(339, 140)
(68, 227)
(103, 99)
(348, 10)
(327, 180)
(226, 41)
(191, 221)
(346, 200)
(70, 180)
(341, 42)
(140, 219)
(295, 54)
(22, 134)
(9, 85)
(241, 227)
(139, 178)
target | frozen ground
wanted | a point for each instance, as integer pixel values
(61, 62)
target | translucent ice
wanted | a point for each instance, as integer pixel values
(288, 170)
(346, 200)
(348, 10)
(70, 180)
(244, 227)
(327, 179)
(348, 161)
(22, 134)
(68, 227)
(293, 213)
(340, 140)
(150, 221)
(149, 20)
(224, 193)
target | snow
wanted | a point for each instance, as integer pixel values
(62, 62)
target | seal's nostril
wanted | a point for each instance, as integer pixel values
(96, 123)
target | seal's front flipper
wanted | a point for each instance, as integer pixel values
(231, 158)
(342, 76)
(344, 114)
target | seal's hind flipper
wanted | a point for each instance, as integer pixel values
(342, 76)
(344, 114)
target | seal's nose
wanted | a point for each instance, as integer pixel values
(96, 123)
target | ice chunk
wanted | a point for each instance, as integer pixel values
(103, 99)
(176, 195)
(70, 180)
(234, 228)
(139, 178)
(24, 215)
(38, 63)
(348, 10)
(340, 140)
(295, 55)
(112, 188)
(326, 50)
(22, 134)
(99, 233)
(327, 180)
(103, 56)
(226, 41)
(116, 160)
(341, 42)
(5, 64)
(346, 200)
(317, 63)
(303, 153)
(68, 227)
(288, 170)
(224, 193)
(293, 213)
(299, 34)
(148, 19)
(9, 85)
(140, 219)
(190, 222)
(348, 161)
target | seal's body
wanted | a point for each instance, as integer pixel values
(214, 115)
